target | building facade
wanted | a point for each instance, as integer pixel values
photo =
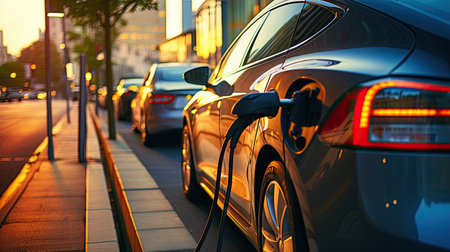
(218, 22)
(136, 47)
(4, 56)
(180, 33)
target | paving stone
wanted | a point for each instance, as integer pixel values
(100, 226)
(166, 239)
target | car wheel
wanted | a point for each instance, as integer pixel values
(279, 220)
(120, 111)
(145, 136)
(190, 186)
(135, 128)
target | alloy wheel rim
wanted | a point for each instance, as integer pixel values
(186, 163)
(276, 231)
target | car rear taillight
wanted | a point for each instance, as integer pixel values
(395, 114)
(160, 99)
(126, 94)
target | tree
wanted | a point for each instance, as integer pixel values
(106, 14)
(9, 80)
(35, 54)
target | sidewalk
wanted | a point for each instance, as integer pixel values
(51, 213)
(63, 205)
(155, 221)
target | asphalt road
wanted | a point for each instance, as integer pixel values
(23, 126)
(168, 178)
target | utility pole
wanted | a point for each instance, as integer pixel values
(48, 81)
(66, 60)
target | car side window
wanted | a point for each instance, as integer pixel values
(232, 59)
(276, 32)
(313, 19)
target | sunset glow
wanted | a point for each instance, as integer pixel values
(20, 21)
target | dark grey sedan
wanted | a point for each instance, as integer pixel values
(161, 98)
(361, 162)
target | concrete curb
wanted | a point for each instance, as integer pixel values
(100, 233)
(118, 189)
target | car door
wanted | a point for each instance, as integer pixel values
(205, 115)
(265, 55)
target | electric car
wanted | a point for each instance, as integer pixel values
(125, 92)
(362, 161)
(157, 106)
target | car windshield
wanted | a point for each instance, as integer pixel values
(172, 73)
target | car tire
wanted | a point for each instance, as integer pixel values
(120, 113)
(189, 181)
(277, 190)
(146, 137)
(135, 128)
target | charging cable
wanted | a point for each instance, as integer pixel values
(248, 109)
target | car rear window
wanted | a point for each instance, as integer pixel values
(171, 78)
(134, 81)
(172, 73)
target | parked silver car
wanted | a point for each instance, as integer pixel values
(161, 98)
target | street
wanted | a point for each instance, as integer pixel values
(168, 176)
(23, 127)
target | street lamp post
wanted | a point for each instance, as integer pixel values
(48, 82)
(66, 59)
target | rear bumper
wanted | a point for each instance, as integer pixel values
(368, 200)
(160, 120)
(406, 194)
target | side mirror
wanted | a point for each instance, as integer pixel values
(199, 75)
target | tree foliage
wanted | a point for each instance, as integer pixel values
(35, 54)
(5, 74)
(87, 45)
(90, 12)
(104, 14)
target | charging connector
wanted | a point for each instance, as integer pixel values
(250, 108)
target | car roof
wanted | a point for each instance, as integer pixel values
(179, 64)
(430, 16)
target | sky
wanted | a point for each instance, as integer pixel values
(20, 21)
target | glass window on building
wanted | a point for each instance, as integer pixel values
(313, 19)
(233, 57)
(276, 32)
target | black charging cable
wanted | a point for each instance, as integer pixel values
(248, 109)
(234, 132)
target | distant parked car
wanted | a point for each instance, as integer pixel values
(75, 93)
(102, 92)
(30, 94)
(125, 92)
(2, 94)
(161, 98)
(14, 93)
